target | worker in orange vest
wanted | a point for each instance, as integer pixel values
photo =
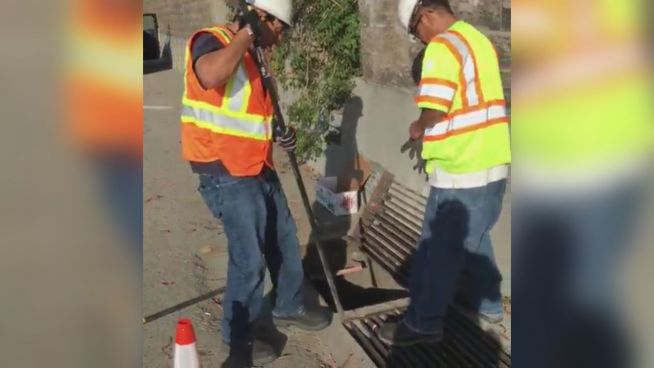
(103, 104)
(227, 136)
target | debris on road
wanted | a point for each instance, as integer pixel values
(153, 198)
(206, 249)
(168, 348)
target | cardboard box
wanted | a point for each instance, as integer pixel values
(340, 194)
(338, 203)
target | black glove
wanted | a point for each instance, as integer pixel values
(251, 18)
(415, 151)
(286, 139)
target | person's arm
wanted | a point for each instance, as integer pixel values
(428, 118)
(437, 88)
(215, 68)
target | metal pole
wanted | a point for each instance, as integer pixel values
(281, 126)
(180, 306)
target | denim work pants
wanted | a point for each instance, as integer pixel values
(455, 237)
(260, 232)
(569, 253)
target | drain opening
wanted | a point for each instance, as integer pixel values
(464, 344)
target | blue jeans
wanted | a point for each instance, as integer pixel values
(567, 255)
(260, 232)
(455, 237)
(122, 186)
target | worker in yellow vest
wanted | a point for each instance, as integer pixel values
(464, 129)
(583, 139)
(227, 137)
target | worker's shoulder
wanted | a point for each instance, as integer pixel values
(219, 32)
(459, 31)
(220, 28)
(459, 39)
(438, 47)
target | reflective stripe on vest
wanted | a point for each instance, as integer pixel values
(231, 117)
(239, 89)
(223, 123)
(466, 121)
(471, 93)
(439, 90)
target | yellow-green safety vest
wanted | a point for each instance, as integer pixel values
(461, 78)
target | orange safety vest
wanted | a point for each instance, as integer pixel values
(231, 123)
(103, 83)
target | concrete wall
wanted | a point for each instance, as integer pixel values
(386, 49)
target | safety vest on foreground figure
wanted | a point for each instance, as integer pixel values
(103, 82)
(231, 123)
(583, 96)
(461, 77)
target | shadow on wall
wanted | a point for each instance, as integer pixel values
(341, 157)
(342, 150)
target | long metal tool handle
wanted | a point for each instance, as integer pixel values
(182, 305)
(269, 85)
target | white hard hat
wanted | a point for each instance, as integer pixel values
(405, 9)
(280, 9)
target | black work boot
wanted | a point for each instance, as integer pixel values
(257, 352)
(399, 334)
(310, 320)
(462, 302)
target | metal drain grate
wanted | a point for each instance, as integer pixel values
(464, 344)
(389, 228)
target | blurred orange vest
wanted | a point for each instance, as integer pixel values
(232, 123)
(103, 89)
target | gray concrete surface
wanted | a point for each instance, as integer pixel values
(185, 248)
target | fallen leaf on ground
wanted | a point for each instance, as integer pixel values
(167, 283)
(153, 198)
(168, 348)
(347, 360)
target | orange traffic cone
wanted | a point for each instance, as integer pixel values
(186, 353)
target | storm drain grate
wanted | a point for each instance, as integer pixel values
(464, 344)
(389, 228)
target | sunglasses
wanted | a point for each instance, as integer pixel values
(415, 18)
(272, 18)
